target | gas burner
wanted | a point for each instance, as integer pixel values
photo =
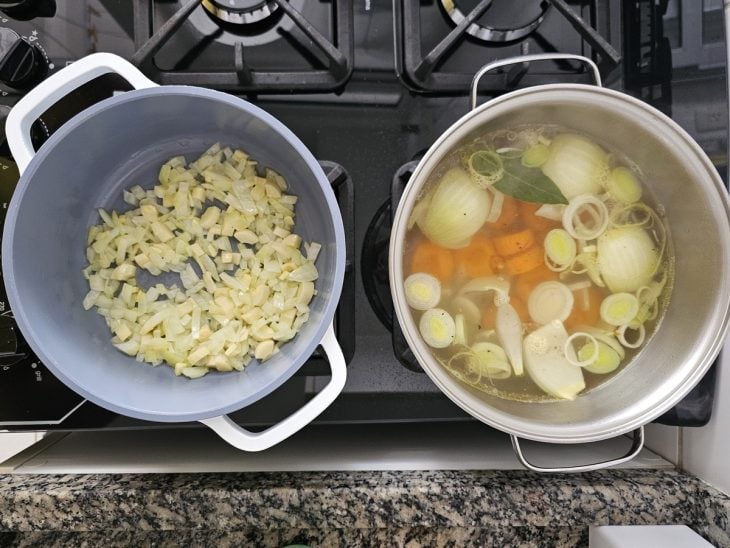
(374, 260)
(240, 12)
(504, 20)
(375, 264)
(256, 46)
(441, 45)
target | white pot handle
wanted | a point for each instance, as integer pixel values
(55, 87)
(243, 439)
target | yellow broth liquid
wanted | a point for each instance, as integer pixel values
(522, 388)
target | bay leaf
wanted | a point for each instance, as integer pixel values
(528, 184)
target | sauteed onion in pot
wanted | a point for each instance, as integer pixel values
(224, 234)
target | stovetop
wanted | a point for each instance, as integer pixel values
(368, 86)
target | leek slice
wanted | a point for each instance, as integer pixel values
(437, 328)
(422, 290)
(589, 356)
(536, 155)
(605, 362)
(550, 301)
(560, 249)
(623, 185)
(585, 205)
(638, 333)
(619, 308)
(485, 168)
(607, 338)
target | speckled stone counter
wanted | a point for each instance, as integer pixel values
(445, 508)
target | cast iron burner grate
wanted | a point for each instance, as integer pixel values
(425, 66)
(328, 59)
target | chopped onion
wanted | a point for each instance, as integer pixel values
(623, 185)
(550, 301)
(460, 331)
(419, 210)
(491, 360)
(244, 288)
(547, 365)
(560, 249)
(423, 291)
(576, 165)
(437, 328)
(499, 285)
(627, 258)
(497, 203)
(585, 205)
(509, 333)
(468, 308)
(458, 208)
(619, 308)
(554, 212)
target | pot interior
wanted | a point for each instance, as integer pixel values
(686, 184)
(112, 146)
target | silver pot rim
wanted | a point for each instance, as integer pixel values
(642, 412)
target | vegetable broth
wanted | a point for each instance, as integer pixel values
(508, 260)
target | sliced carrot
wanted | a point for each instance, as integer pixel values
(433, 259)
(510, 213)
(525, 283)
(514, 243)
(586, 308)
(476, 259)
(535, 222)
(525, 261)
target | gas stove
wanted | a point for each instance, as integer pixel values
(368, 86)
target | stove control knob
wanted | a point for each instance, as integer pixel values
(25, 10)
(22, 65)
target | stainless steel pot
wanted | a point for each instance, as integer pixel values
(85, 165)
(696, 322)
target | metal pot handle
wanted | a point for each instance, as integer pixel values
(243, 439)
(55, 87)
(526, 59)
(636, 446)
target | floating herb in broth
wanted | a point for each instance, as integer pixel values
(537, 263)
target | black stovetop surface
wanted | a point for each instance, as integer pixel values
(370, 109)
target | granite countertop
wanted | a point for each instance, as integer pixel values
(444, 508)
